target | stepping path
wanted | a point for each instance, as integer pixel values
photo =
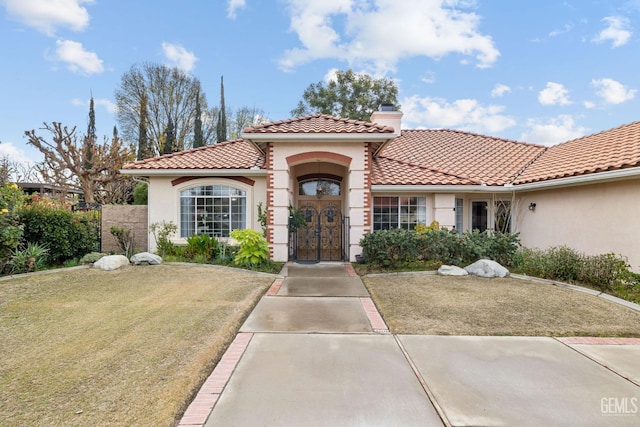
(316, 352)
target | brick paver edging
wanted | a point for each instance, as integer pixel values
(377, 323)
(599, 340)
(275, 287)
(201, 407)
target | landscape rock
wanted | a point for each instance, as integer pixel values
(146, 258)
(452, 270)
(111, 262)
(487, 268)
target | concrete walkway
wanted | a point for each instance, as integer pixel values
(315, 352)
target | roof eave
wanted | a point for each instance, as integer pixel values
(317, 137)
(443, 188)
(194, 172)
(591, 178)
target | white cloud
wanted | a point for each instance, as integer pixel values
(567, 28)
(499, 90)
(379, 33)
(106, 103)
(14, 154)
(559, 129)
(554, 94)
(589, 104)
(77, 58)
(617, 31)
(179, 56)
(233, 6)
(464, 114)
(612, 91)
(331, 76)
(429, 77)
(47, 15)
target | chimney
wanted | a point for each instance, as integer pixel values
(387, 116)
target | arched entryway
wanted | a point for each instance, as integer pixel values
(318, 229)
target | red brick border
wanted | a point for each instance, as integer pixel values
(599, 340)
(201, 407)
(351, 272)
(275, 287)
(377, 323)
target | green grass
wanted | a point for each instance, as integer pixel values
(127, 347)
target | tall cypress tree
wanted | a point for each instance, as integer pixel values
(198, 139)
(169, 138)
(221, 128)
(91, 137)
(144, 151)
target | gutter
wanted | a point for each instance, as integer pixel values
(194, 172)
(572, 181)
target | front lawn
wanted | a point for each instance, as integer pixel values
(446, 305)
(127, 347)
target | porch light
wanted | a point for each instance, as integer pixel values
(532, 206)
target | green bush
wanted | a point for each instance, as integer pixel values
(11, 200)
(141, 193)
(65, 233)
(563, 263)
(253, 249)
(201, 246)
(602, 271)
(162, 232)
(31, 258)
(91, 257)
(392, 248)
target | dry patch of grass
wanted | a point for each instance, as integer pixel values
(432, 304)
(127, 347)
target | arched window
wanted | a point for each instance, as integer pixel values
(212, 209)
(319, 187)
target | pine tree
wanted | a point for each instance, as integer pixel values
(198, 139)
(170, 138)
(221, 129)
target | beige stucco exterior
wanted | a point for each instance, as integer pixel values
(595, 219)
(164, 199)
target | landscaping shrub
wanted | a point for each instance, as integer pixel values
(11, 201)
(253, 249)
(201, 246)
(65, 233)
(391, 248)
(91, 257)
(31, 258)
(563, 263)
(162, 232)
(141, 193)
(602, 271)
(124, 239)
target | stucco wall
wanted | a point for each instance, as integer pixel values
(132, 217)
(164, 197)
(593, 219)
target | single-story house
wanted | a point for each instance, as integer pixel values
(346, 178)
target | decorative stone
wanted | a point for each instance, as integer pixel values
(146, 258)
(111, 262)
(487, 268)
(452, 270)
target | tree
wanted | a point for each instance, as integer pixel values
(91, 134)
(144, 150)
(242, 118)
(65, 159)
(221, 134)
(169, 139)
(198, 137)
(350, 95)
(170, 94)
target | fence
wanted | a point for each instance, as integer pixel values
(132, 217)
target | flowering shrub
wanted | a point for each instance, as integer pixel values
(11, 200)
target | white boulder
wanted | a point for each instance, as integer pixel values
(111, 262)
(452, 270)
(146, 258)
(487, 268)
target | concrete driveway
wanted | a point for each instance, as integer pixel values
(315, 353)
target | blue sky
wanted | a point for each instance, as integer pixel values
(542, 71)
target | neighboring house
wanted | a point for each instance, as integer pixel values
(345, 178)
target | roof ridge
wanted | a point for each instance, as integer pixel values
(368, 124)
(637, 122)
(497, 138)
(524, 169)
(183, 152)
(432, 169)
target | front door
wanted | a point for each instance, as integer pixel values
(320, 237)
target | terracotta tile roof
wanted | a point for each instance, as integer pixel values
(319, 123)
(612, 149)
(236, 154)
(468, 157)
(387, 171)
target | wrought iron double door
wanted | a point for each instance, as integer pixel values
(321, 237)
